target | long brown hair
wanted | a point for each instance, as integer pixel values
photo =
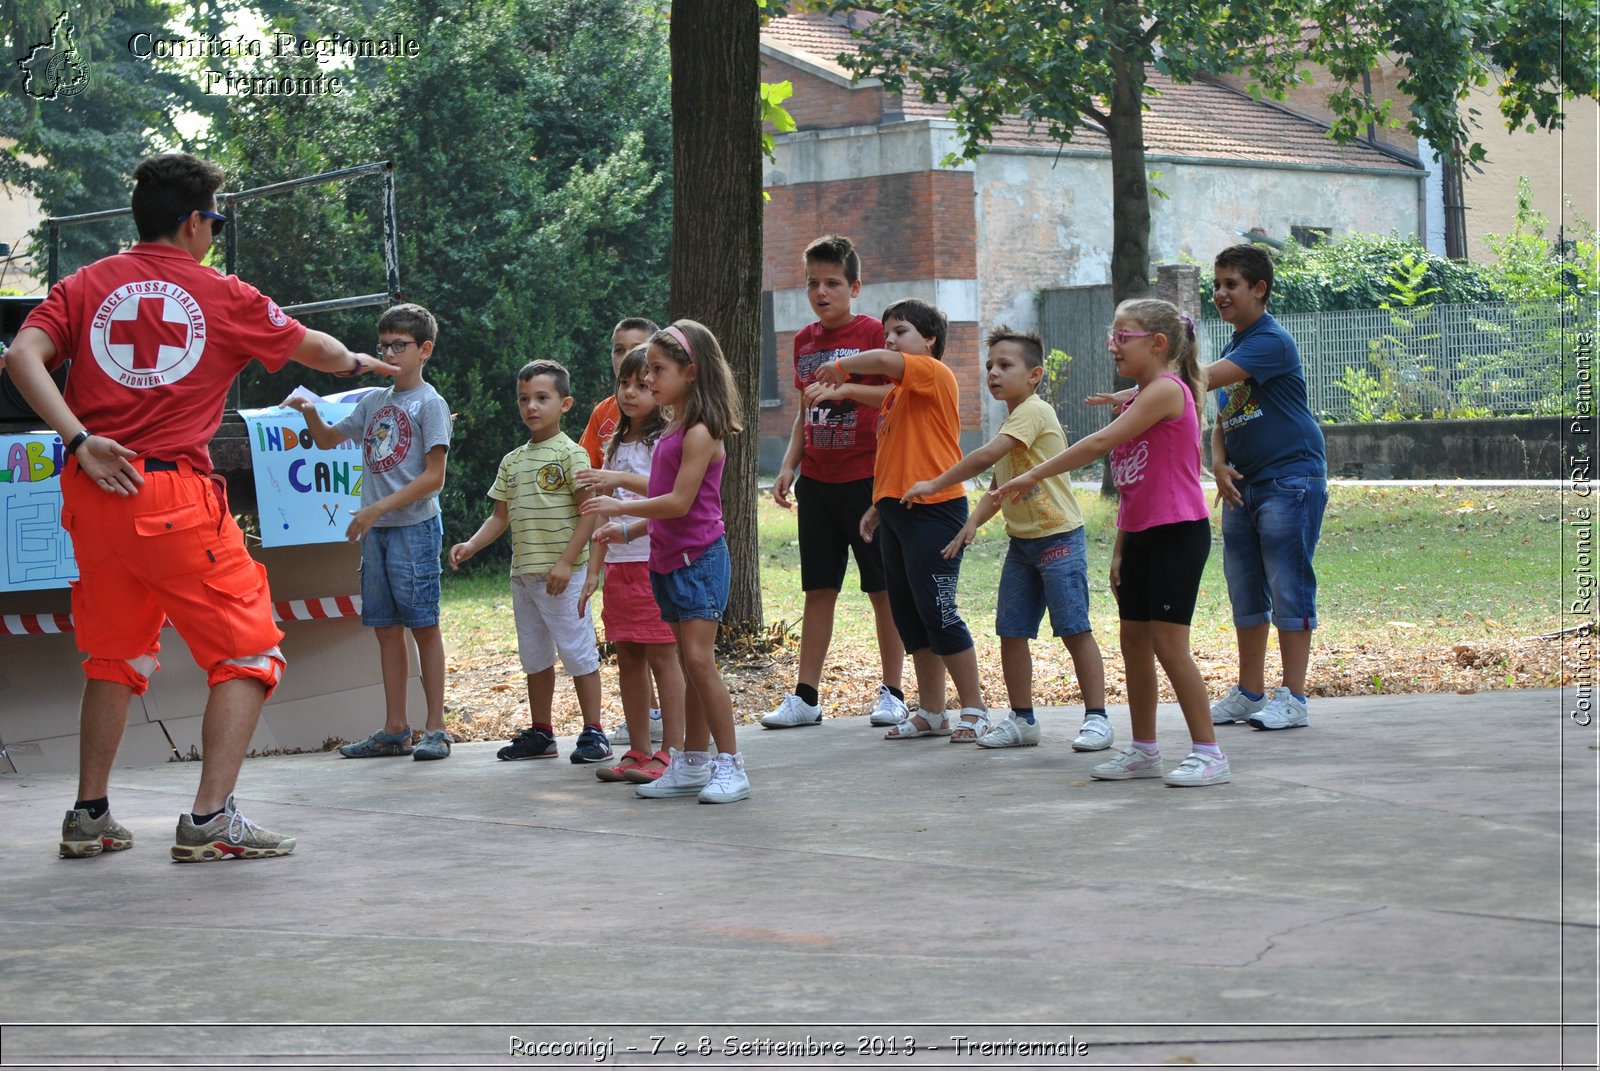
(713, 396)
(633, 366)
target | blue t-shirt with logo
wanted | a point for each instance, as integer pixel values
(1266, 418)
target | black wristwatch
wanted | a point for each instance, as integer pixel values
(78, 440)
(355, 369)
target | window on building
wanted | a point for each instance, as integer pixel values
(1309, 236)
(770, 398)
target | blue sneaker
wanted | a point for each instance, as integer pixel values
(530, 743)
(592, 746)
(380, 745)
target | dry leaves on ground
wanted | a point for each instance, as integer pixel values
(486, 695)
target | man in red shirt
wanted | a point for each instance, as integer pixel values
(156, 339)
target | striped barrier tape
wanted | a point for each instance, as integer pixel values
(287, 610)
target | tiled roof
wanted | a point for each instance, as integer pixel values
(1199, 119)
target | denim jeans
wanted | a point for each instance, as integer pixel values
(1267, 547)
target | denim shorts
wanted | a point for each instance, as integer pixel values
(1046, 572)
(400, 575)
(1267, 547)
(696, 592)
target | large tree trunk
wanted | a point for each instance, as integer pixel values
(1130, 200)
(716, 237)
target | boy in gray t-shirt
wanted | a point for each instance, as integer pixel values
(405, 434)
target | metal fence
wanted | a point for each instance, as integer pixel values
(1430, 361)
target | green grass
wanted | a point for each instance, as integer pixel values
(1407, 568)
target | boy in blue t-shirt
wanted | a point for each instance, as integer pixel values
(1269, 460)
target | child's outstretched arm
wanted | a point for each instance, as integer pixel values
(492, 528)
(866, 363)
(1161, 400)
(322, 433)
(860, 393)
(606, 481)
(429, 482)
(699, 450)
(982, 459)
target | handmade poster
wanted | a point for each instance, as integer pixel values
(303, 494)
(37, 552)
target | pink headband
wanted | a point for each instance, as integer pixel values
(678, 337)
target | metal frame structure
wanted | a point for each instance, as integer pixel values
(230, 238)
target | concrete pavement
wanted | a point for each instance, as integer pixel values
(1409, 881)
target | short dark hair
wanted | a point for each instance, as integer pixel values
(554, 369)
(635, 323)
(1032, 345)
(167, 188)
(930, 321)
(1250, 261)
(836, 249)
(413, 320)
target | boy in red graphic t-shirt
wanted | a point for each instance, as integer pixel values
(834, 446)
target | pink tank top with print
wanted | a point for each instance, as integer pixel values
(676, 542)
(1158, 473)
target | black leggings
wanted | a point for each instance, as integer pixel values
(1161, 570)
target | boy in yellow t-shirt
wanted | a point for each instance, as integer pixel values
(1045, 565)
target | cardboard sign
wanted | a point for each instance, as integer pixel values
(303, 494)
(37, 551)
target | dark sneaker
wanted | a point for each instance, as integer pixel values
(529, 744)
(83, 837)
(380, 745)
(434, 745)
(592, 746)
(230, 835)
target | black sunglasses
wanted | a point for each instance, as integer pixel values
(218, 220)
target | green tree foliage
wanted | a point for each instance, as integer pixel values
(75, 153)
(1066, 66)
(1356, 272)
(531, 141)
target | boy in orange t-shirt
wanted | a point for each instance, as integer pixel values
(629, 332)
(919, 437)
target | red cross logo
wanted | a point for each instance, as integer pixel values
(148, 334)
(148, 331)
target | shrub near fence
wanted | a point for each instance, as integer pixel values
(1425, 361)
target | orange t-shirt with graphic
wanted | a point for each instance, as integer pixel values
(919, 430)
(602, 425)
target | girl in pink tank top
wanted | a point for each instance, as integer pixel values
(1163, 533)
(689, 564)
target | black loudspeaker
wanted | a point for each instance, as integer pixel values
(14, 310)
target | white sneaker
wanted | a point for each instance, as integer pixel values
(792, 712)
(1282, 711)
(728, 783)
(1200, 769)
(1012, 732)
(888, 710)
(619, 735)
(1235, 706)
(1094, 734)
(679, 779)
(1129, 763)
